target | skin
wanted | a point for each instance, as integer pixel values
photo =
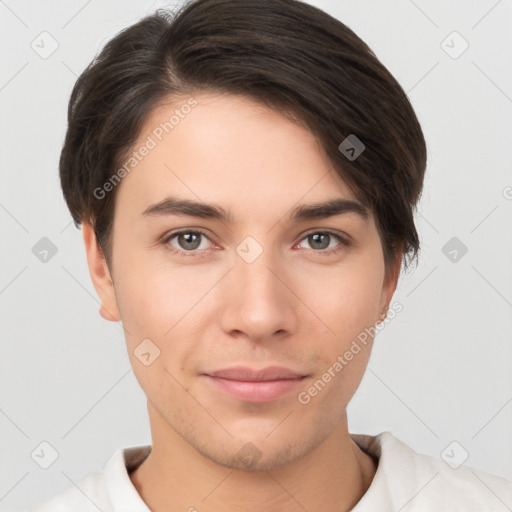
(292, 306)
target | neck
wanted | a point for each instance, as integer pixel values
(175, 476)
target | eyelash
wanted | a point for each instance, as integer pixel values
(344, 243)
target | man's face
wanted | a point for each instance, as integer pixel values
(254, 290)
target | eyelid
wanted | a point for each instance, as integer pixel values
(166, 238)
(344, 239)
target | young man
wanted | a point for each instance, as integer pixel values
(245, 174)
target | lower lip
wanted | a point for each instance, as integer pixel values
(256, 391)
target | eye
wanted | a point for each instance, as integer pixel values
(320, 242)
(188, 242)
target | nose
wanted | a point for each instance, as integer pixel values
(258, 302)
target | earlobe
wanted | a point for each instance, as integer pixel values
(100, 275)
(105, 313)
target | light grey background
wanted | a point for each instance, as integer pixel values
(440, 371)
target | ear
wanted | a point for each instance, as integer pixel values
(389, 286)
(100, 275)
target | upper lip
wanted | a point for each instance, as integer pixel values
(244, 373)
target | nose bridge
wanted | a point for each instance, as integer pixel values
(255, 269)
(257, 278)
(259, 303)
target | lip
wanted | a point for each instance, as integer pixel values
(263, 385)
(246, 373)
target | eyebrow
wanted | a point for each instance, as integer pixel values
(330, 208)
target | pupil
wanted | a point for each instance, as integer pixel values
(187, 237)
(315, 237)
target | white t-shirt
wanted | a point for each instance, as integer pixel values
(405, 481)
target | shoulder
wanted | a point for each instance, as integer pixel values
(88, 495)
(108, 490)
(413, 481)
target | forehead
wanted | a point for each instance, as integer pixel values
(228, 150)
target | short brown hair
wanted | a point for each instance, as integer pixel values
(285, 54)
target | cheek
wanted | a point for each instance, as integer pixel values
(161, 303)
(346, 301)
(151, 295)
(151, 310)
